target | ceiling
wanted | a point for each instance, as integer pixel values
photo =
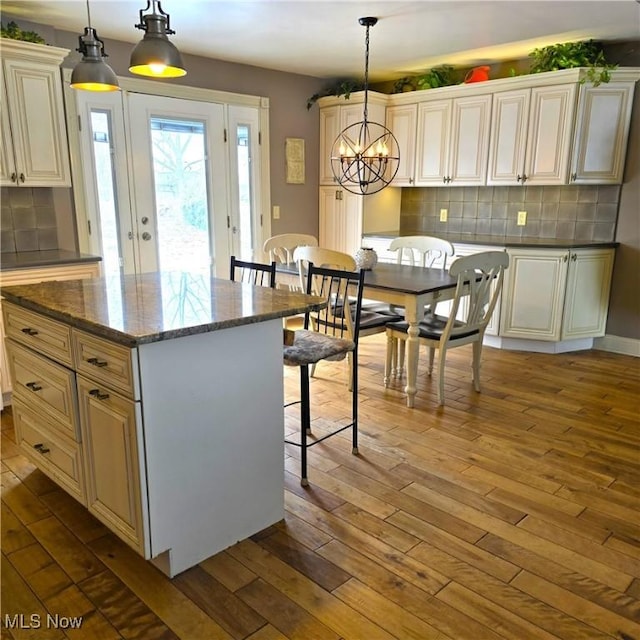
(323, 38)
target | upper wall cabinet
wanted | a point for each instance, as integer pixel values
(531, 132)
(401, 121)
(452, 142)
(540, 129)
(601, 133)
(337, 114)
(34, 148)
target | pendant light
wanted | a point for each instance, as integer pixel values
(92, 73)
(365, 155)
(155, 55)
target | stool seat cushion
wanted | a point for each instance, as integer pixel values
(310, 347)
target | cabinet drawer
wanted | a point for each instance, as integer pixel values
(105, 362)
(42, 334)
(45, 386)
(54, 454)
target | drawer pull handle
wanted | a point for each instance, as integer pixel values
(96, 394)
(29, 331)
(34, 386)
(40, 448)
(97, 363)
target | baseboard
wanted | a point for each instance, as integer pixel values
(538, 346)
(618, 344)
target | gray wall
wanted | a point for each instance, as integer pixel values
(624, 306)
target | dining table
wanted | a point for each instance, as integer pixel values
(400, 285)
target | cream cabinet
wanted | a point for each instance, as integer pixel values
(30, 276)
(402, 122)
(601, 133)
(34, 147)
(45, 407)
(556, 294)
(531, 133)
(340, 219)
(337, 114)
(452, 141)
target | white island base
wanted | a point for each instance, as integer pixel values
(211, 450)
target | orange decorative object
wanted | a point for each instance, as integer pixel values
(477, 74)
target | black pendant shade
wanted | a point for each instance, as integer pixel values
(155, 55)
(92, 73)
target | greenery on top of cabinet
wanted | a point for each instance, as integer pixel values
(567, 55)
(14, 32)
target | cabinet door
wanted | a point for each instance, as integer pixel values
(329, 130)
(352, 222)
(469, 141)
(110, 426)
(533, 294)
(601, 134)
(8, 174)
(330, 211)
(402, 122)
(549, 136)
(587, 296)
(36, 114)
(509, 121)
(432, 143)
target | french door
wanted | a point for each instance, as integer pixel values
(170, 184)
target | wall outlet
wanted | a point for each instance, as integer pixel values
(276, 212)
(522, 218)
(443, 215)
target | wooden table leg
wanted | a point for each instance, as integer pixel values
(413, 344)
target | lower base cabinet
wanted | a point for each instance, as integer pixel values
(158, 440)
(556, 294)
(549, 295)
(111, 459)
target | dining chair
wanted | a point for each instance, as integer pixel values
(327, 335)
(258, 273)
(422, 251)
(370, 321)
(281, 247)
(479, 277)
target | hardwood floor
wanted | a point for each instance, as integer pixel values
(510, 514)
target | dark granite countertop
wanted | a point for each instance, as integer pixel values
(505, 241)
(32, 259)
(152, 307)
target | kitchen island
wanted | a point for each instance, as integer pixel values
(157, 402)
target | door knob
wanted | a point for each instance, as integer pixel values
(146, 236)
(144, 220)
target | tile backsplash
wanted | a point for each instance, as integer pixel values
(565, 212)
(28, 220)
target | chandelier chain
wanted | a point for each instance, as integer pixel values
(366, 74)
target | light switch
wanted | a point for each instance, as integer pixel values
(522, 218)
(276, 212)
(443, 215)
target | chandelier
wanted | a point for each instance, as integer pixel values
(365, 156)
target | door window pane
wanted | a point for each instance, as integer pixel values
(106, 191)
(244, 192)
(181, 199)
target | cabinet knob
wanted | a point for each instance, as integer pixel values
(34, 386)
(97, 363)
(29, 331)
(22, 178)
(574, 257)
(573, 177)
(40, 448)
(14, 177)
(96, 394)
